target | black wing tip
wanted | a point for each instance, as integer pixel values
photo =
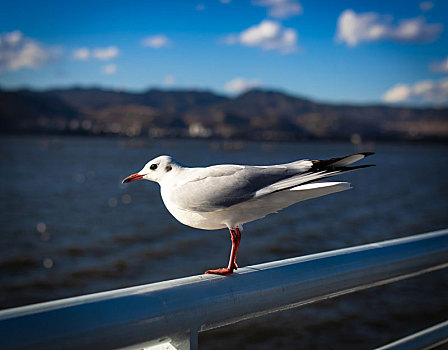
(329, 164)
(347, 168)
(365, 154)
(336, 159)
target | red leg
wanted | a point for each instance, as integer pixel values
(236, 238)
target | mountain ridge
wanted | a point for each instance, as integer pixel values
(256, 114)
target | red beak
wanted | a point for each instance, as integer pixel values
(131, 178)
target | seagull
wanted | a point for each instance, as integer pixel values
(230, 195)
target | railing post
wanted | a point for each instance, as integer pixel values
(185, 341)
(194, 341)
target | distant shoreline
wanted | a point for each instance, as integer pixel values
(254, 115)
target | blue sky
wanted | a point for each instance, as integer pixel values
(339, 51)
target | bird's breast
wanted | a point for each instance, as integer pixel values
(201, 220)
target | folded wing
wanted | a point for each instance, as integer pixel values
(219, 187)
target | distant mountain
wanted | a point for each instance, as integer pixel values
(24, 110)
(256, 114)
(95, 99)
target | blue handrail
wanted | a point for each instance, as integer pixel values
(177, 310)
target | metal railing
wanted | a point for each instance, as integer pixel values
(429, 338)
(175, 311)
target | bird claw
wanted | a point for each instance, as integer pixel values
(225, 271)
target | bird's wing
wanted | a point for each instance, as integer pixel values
(221, 186)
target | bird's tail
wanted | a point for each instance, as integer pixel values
(317, 189)
(283, 199)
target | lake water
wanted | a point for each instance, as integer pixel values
(69, 227)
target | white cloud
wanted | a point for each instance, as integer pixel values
(239, 85)
(426, 5)
(416, 30)
(81, 54)
(281, 8)
(200, 7)
(109, 69)
(13, 38)
(441, 67)
(105, 53)
(426, 91)
(156, 41)
(169, 80)
(268, 35)
(18, 51)
(355, 28)
(399, 93)
(99, 53)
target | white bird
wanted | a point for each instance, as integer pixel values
(230, 195)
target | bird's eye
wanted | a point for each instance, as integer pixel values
(153, 167)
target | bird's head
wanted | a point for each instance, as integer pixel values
(154, 170)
